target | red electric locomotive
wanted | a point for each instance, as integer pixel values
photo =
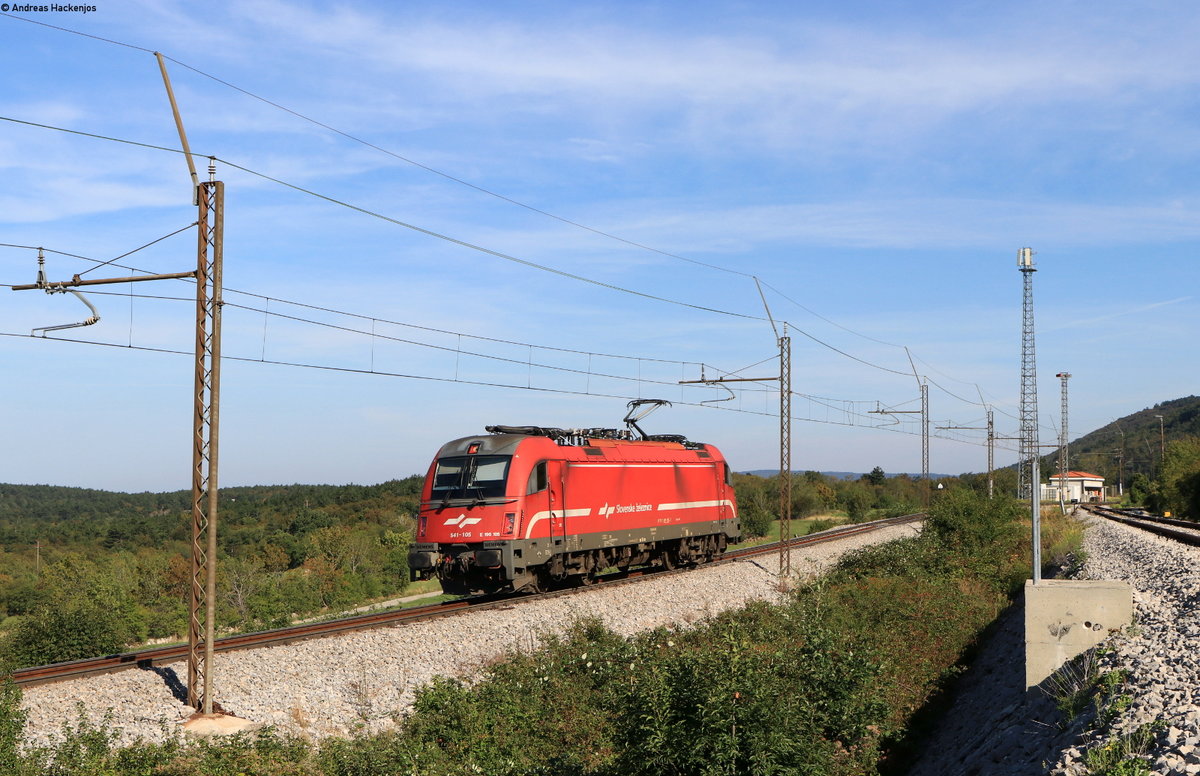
(525, 507)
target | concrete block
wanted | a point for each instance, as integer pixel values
(217, 725)
(1065, 617)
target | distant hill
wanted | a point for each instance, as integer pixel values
(1099, 452)
(850, 475)
(61, 515)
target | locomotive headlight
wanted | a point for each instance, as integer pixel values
(421, 525)
(510, 521)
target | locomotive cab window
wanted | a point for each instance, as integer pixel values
(471, 477)
(537, 479)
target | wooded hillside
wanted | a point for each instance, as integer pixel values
(1136, 437)
(72, 557)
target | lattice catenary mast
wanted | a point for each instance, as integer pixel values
(785, 439)
(990, 428)
(1063, 440)
(785, 454)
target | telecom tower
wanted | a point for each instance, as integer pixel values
(1027, 470)
(1029, 478)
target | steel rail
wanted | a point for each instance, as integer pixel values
(147, 658)
(156, 656)
(1155, 525)
(1139, 514)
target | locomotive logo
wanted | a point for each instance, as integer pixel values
(607, 511)
(463, 521)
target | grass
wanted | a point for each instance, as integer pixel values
(800, 527)
(1074, 685)
(1124, 755)
(1062, 536)
(1078, 686)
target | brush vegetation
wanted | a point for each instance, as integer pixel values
(826, 682)
(85, 572)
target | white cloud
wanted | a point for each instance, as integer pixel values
(1138, 310)
(792, 80)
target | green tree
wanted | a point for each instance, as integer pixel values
(856, 498)
(1142, 490)
(239, 581)
(89, 610)
(1180, 479)
(395, 558)
(756, 504)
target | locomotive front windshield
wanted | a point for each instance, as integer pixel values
(470, 477)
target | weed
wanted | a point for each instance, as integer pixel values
(1107, 710)
(1124, 755)
(1073, 685)
(1074, 563)
(360, 695)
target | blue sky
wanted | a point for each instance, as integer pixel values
(876, 165)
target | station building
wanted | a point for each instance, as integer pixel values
(1080, 487)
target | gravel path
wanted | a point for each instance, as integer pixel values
(365, 681)
(996, 729)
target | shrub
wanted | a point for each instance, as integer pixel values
(901, 558)
(12, 727)
(756, 522)
(976, 533)
(750, 692)
(814, 685)
(816, 526)
(70, 632)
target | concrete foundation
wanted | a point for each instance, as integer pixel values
(1065, 617)
(217, 725)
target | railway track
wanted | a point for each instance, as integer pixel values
(148, 658)
(1178, 530)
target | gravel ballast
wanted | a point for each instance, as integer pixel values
(365, 681)
(996, 728)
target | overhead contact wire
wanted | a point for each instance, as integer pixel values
(349, 370)
(482, 249)
(472, 246)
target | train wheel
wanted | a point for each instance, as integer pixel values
(540, 583)
(588, 577)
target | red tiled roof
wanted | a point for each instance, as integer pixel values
(1072, 475)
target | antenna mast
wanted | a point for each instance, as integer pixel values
(1029, 476)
